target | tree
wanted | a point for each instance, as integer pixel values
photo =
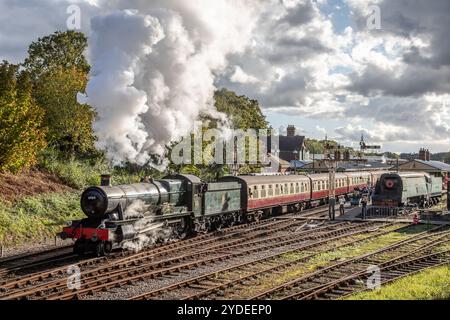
(244, 112)
(69, 123)
(59, 71)
(59, 50)
(21, 133)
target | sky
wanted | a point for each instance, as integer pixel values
(330, 67)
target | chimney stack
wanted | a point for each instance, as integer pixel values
(422, 154)
(291, 131)
(337, 155)
(427, 155)
(347, 155)
(105, 180)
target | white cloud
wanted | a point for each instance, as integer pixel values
(287, 55)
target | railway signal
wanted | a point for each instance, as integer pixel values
(364, 146)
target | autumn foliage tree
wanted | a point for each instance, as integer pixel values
(69, 123)
(59, 71)
(22, 134)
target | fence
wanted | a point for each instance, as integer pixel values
(383, 212)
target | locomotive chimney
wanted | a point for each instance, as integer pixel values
(105, 180)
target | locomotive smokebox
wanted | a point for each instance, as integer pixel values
(105, 180)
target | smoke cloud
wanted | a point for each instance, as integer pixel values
(153, 70)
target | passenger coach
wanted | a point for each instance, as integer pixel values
(277, 194)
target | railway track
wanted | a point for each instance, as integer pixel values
(37, 261)
(146, 265)
(391, 273)
(214, 284)
(225, 283)
(17, 265)
(157, 249)
(40, 258)
(341, 278)
(272, 238)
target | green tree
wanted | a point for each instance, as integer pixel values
(245, 113)
(59, 50)
(21, 133)
(69, 123)
(59, 71)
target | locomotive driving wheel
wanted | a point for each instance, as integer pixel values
(183, 228)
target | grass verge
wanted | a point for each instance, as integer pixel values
(334, 254)
(37, 217)
(430, 284)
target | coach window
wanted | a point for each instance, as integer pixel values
(297, 188)
(286, 188)
(255, 192)
(263, 191)
(270, 192)
(292, 188)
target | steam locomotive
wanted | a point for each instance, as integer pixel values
(407, 189)
(186, 205)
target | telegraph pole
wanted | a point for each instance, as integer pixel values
(332, 190)
(331, 166)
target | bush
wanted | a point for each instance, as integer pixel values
(81, 173)
(37, 217)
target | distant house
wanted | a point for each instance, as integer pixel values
(436, 168)
(292, 146)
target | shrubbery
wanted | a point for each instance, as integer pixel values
(37, 217)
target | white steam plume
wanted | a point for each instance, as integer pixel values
(153, 70)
